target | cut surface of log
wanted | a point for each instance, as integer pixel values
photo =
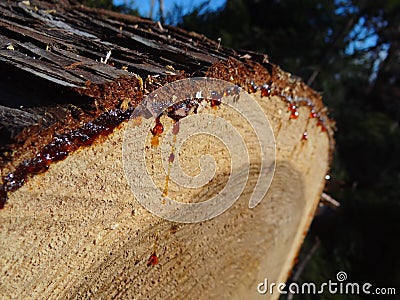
(80, 230)
(71, 226)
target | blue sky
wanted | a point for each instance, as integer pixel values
(144, 5)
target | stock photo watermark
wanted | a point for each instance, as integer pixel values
(168, 118)
(339, 286)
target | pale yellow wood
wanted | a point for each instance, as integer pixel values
(77, 231)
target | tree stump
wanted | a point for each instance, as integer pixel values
(71, 226)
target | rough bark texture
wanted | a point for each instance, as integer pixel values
(75, 230)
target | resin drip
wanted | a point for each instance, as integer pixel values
(153, 259)
(156, 131)
(171, 158)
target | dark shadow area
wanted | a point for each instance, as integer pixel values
(19, 88)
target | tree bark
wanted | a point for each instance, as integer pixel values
(71, 226)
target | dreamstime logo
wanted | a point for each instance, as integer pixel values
(330, 286)
(165, 122)
(341, 276)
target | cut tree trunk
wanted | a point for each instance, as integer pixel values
(70, 225)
